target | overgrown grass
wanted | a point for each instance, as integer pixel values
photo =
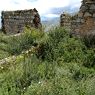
(55, 64)
(14, 45)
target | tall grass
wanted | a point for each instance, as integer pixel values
(14, 45)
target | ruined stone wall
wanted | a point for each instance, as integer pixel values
(84, 21)
(65, 20)
(15, 21)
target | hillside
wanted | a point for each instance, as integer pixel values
(47, 63)
(48, 23)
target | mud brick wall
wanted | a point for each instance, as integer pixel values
(84, 21)
(15, 21)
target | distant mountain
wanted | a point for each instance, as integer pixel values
(54, 21)
(50, 22)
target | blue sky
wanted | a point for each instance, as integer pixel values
(43, 6)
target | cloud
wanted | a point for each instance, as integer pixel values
(32, 0)
(51, 15)
(43, 6)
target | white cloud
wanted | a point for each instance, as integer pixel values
(43, 6)
(51, 15)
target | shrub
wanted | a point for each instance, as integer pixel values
(16, 44)
(89, 40)
(89, 58)
(60, 43)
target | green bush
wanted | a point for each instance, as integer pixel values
(17, 44)
(59, 43)
(89, 40)
(89, 58)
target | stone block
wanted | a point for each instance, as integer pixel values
(87, 14)
(92, 7)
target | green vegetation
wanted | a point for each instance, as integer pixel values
(14, 45)
(52, 63)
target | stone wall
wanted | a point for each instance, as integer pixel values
(65, 20)
(84, 21)
(15, 21)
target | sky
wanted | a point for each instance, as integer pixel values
(43, 6)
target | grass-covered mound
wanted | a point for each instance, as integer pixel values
(52, 63)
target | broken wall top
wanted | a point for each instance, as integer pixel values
(8, 14)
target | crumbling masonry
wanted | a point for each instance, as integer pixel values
(84, 21)
(65, 20)
(14, 21)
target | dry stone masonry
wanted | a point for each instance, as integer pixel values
(84, 21)
(65, 20)
(14, 21)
